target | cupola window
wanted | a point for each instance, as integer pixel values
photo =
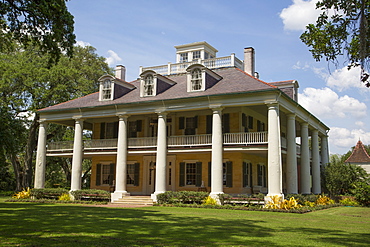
(196, 79)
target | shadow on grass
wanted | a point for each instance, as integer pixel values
(28, 224)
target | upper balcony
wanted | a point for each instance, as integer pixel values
(212, 63)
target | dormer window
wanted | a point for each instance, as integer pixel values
(196, 79)
(107, 90)
(148, 85)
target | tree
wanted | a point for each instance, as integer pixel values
(346, 32)
(41, 23)
(27, 84)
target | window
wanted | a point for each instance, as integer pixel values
(183, 57)
(189, 124)
(227, 173)
(107, 90)
(261, 169)
(133, 171)
(148, 85)
(105, 174)
(191, 173)
(247, 174)
(134, 127)
(109, 130)
(196, 80)
(196, 55)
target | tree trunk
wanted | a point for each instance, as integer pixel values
(67, 169)
(85, 175)
(30, 149)
(17, 172)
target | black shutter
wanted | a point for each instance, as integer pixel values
(139, 125)
(209, 173)
(250, 122)
(244, 121)
(251, 174)
(209, 124)
(98, 175)
(136, 174)
(226, 123)
(182, 174)
(198, 177)
(245, 174)
(115, 130)
(195, 122)
(111, 173)
(181, 123)
(264, 176)
(259, 171)
(229, 174)
(102, 131)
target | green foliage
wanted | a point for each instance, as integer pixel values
(361, 192)
(26, 193)
(346, 32)
(348, 202)
(45, 24)
(241, 198)
(90, 194)
(172, 197)
(323, 200)
(49, 193)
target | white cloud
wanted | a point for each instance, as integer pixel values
(342, 79)
(82, 43)
(326, 104)
(344, 138)
(301, 66)
(113, 58)
(298, 15)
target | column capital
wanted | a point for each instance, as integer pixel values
(42, 121)
(272, 104)
(161, 113)
(304, 124)
(78, 118)
(122, 116)
(216, 107)
(291, 115)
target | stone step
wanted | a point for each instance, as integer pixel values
(135, 200)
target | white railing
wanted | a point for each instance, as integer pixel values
(213, 63)
(172, 141)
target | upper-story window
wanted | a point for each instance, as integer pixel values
(196, 79)
(107, 90)
(149, 85)
(183, 57)
(196, 55)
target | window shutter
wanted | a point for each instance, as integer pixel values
(264, 176)
(226, 123)
(244, 122)
(136, 174)
(250, 174)
(198, 177)
(139, 125)
(102, 131)
(250, 122)
(115, 130)
(98, 175)
(209, 124)
(195, 122)
(182, 174)
(181, 123)
(209, 173)
(245, 174)
(111, 173)
(259, 171)
(229, 174)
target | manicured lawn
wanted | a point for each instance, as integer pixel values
(32, 224)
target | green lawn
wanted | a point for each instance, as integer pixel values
(32, 224)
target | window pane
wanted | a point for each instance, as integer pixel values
(148, 85)
(105, 174)
(131, 174)
(190, 172)
(196, 79)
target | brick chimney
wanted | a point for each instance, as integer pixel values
(249, 61)
(120, 72)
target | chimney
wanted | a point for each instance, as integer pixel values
(249, 60)
(120, 72)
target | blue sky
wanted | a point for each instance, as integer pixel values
(143, 33)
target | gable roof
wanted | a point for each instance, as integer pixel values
(359, 154)
(233, 80)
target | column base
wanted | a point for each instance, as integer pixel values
(154, 195)
(216, 196)
(270, 198)
(118, 195)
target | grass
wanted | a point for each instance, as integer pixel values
(36, 224)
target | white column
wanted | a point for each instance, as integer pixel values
(121, 164)
(274, 172)
(324, 150)
(316, 183)
(291, 173)
(161, 159)
(41, 157)
(217, 154)
(305, 161)
(77, 155)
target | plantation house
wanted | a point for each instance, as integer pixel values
(204, 123)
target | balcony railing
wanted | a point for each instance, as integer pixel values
(172, 141)
(213, 63)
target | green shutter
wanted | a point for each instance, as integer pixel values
(139, 125)
(195, 122)
(111, 173)
(98, 174)
(115, 130)
(102, 131)
(226, 123)
(250, 122)
(181, 123)
(209, 124)
(136, 174)
(198, 177)
(250, 174)
(229, 174)
(244, 122)
(245, 174)
(182, 174)
(209, 173)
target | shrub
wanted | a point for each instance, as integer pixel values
(48, 193)
(91, 194)
(209, 201)
(25, 194)
(276, 202)
(186, 197)
(323, 200)
(64, 197)
(348, 201)
(361, 193)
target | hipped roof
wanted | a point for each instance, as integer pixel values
(359, 154)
